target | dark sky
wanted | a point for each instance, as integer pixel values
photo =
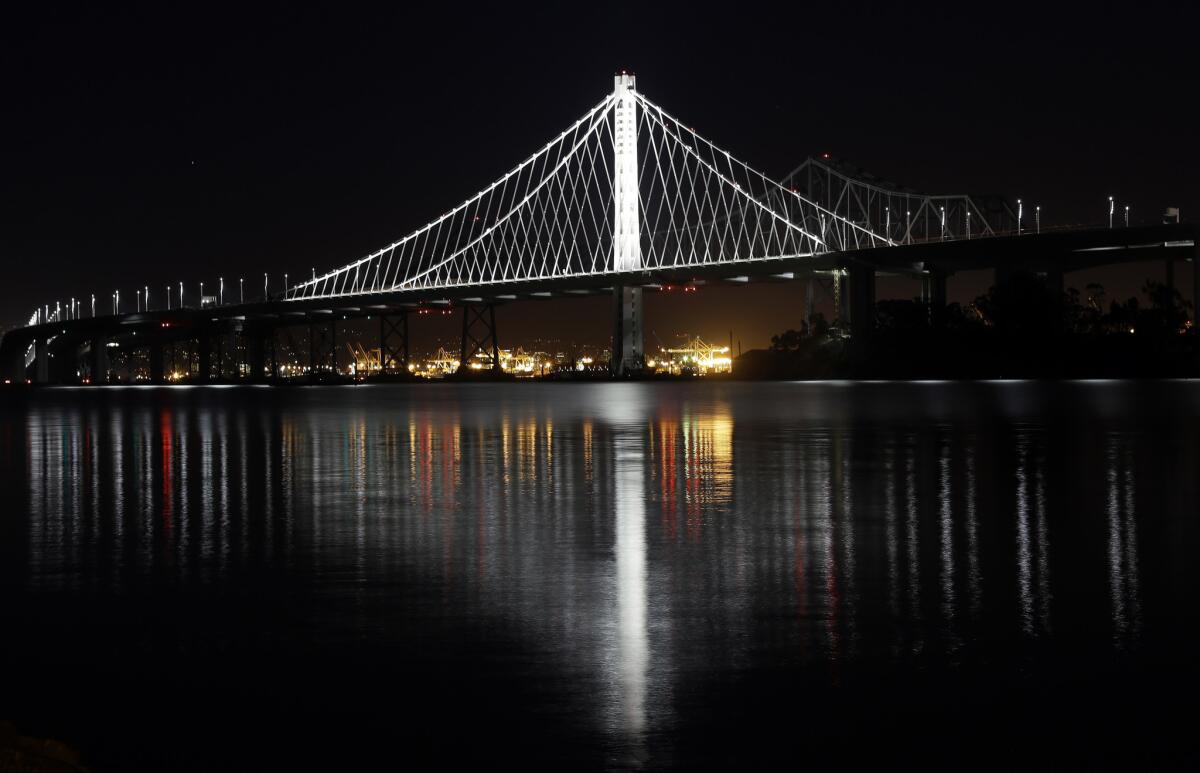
(185, 142)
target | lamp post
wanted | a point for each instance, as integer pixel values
(167, 292)
(1020, 214)
(942, 212)
(1126, 215)
(93, 305)
(1110, 211)
(968, 224)
(241, 290)
(221, 292)
(1037, 217)
(266, 295)
(181, 295)
(146, 288)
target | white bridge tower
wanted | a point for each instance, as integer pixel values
(628, 351)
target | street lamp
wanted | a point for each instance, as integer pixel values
(1020, 214)
(167, 292)
(202, 295)
(968, 224)
(943, 214)
(1110, 211)
(887, 229)
(241, 291)
(1037, 217)
(1126, 215)
(285, 283)
(908, 225)
(146, 288)
(93, 305)
(181, 295)
(117, 302)
(266, 295)
(221, 292)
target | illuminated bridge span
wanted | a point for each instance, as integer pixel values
(626, 199)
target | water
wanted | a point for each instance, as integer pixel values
(606, 576)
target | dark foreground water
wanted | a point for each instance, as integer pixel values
(619, 576)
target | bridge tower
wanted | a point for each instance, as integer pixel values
(627, 347)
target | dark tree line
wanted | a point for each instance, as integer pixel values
(1021, 328)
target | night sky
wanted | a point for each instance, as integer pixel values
(157, 145)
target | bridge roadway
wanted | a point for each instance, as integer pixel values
(1050, 254)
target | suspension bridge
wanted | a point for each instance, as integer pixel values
(627, 200)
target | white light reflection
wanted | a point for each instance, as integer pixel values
(1024, 554)
(630, 655)
(1122, 546)
(973, 577)
(946, 520)
(633, 647)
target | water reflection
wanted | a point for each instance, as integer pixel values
(1122, 542)
(639, 537)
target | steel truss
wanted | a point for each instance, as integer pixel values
(902, 216)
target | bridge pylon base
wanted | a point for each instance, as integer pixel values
(393, 344)
(479, 337)
(628, 350)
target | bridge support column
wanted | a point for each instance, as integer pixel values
(808, 305)
(861, 294)
(157, 365)
(628, 348)
(478, 334)
(322, 349)
(231, 360)
(14, 362)
(1196, 284)
(256, 353)
(204, 345)
(98, 361)
(933, 292)
(41, 361)
(393, 343)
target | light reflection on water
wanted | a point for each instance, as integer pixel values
(640, 536)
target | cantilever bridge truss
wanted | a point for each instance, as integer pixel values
(626, 188)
